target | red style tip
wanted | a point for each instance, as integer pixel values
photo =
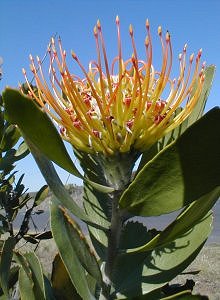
(147, 24)
(131, 30)
(95, 31)
(74, 55)
(147, 41)
(31, 57)
(200, 53)
(167, 36)
(98, 25)
(159, 30)
(133, 57)
(191, 58)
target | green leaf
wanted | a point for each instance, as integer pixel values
(13, 278)
(97, 204)
(25, 286)
(181, 173)
(94, 201)
(7, 161)
(148, 155)
(5, 264)
(62, 233)
(26, 283)
(37, 127)
(80, 246)
(41, 195)
(2, 121)
(33, 284)
(22, 261)
(22, 151)
(48, 289)
(11, 156)
(37, 275)
(129, 231)
(141, 273)
(99, 187)
(92, 172)
(163, 142)
(183, 223)
(61, 282)
(48, 171)
(93, 286)
(10, 138)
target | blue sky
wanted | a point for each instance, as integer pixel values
(26, 27)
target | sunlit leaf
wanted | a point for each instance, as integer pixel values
(37, 275)
(36, 126)
(180, 174)
(80, 245)
(68, 252)
(57, 187)
(25, 286)
(25, 279)
(41, 195)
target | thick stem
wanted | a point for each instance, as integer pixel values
(113, 245)
(114, 236)
(117, 173)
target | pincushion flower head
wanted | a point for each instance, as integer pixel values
(119, 107)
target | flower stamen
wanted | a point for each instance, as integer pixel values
(121, 110)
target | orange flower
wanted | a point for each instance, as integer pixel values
(111, 111)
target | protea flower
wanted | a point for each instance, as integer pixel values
(114, 110)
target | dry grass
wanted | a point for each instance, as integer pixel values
(208, 279)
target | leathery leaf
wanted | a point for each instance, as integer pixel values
(137, 274)
(74, 250)
(35, 125)
(183, 223)
(181, 173)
